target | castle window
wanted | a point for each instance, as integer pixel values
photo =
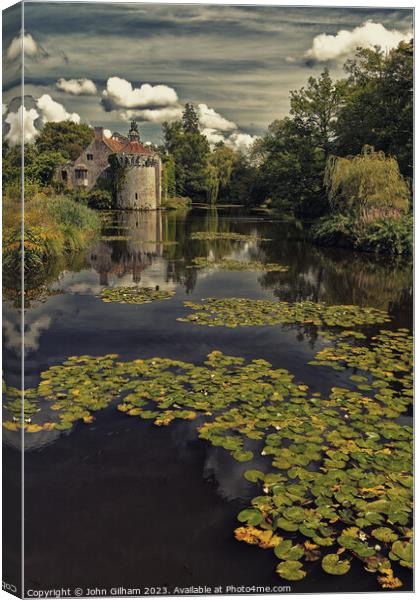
(89, 156)
(81, 174)
(64, 175)
(137, 196)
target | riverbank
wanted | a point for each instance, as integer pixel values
(55, 227)
(386, 234)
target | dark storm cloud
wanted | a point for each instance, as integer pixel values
(240, 60)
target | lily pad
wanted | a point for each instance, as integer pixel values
(332, 565)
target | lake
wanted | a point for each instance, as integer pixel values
(121, 502)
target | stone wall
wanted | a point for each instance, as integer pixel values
(97, 167)
(139, 190)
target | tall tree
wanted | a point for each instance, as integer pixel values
(65, 137)
(190, 150)
(379, 104)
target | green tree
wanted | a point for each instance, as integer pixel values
(190, 122)
(65, 137)
(43, 167)
(379, 104)
(314, 110)
(219, 171)
(291, 169)
(190, 150)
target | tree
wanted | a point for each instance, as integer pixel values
(190, 122)
(219, 171)
(314, 110)
(379, 104)
(65, 137)
(190, 150)
(291, 169)
(43, 167)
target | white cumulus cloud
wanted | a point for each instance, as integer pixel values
(25, 119)
(210, 119)
(26, 43)
(213, 136)
(107, 133)
(54, 111)
(333, 47)
(120, 93)
(153, 115)
(77, 87)
(240, 141)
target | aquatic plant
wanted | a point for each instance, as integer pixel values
(134, 295)
(246, 312)
(201, 262)
(226, 235)
(337, 481)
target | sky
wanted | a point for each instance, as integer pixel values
(104, 64)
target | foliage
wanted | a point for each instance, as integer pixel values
(386, 234)
(219, 171)
(337, 469)
(54, 226)
(134, 294)
(368, 180)
(190, 150)
(168, 176)
(225, 235)
(245, 312)
(65, 137)
(176, 203)
(100, 199)
(378, 109)
(227, 264)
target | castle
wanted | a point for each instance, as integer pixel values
(140, 188)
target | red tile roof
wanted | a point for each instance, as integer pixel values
(136, 148)
(128, 147)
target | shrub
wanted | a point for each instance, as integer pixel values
(367, 181)
(384, 235)
(53, 227)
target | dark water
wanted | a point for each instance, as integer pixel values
(122, 502)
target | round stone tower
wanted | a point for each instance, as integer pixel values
(140, 187)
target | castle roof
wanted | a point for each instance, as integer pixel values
(127, 147)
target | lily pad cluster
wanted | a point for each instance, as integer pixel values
(201, 262)
(134, 295)
(337, 483)
(246, 312)
(226, 235)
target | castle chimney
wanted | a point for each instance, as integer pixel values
(99, 133)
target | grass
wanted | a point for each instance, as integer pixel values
(176, 203)
(55, 226)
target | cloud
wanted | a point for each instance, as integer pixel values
(210, 119)
(52, 111)
(107, 133)
(31, 48)
(21, 118)
(77, 87)
(119, 93)
(213, 136)
(241, 142)
(156, 115)
(333, 47)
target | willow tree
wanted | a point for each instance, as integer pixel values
(367, 181)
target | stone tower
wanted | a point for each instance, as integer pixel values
(141, 181)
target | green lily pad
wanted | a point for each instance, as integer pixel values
(291, 570)
(332, 565)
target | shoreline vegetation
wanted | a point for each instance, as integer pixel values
(340, 162)
(56, 229)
